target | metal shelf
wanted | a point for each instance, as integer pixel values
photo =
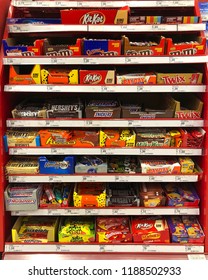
(96, 60)
(98, 248)
(101, 4)
(90, 123)
(25, 178)
(104, 88)
(110, 211)
(106, 151)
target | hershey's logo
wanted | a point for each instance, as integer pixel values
(92, 78)
(93, 18)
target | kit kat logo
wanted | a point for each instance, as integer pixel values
(144, 226)
(92, 78)
(93, 18)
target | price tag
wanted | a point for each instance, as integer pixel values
(74, 212)
(185, 123)
(174, 59)
(51, 123)
(16, 179)
(14, 28)
(108, 4)
(9, 61)
(145, 248)
(121, 179)
(89, 61)
(197, 257)
(54, 60)
(108, 89)
(107, 151)
(178, 179)
(54, 212)
(54, 151)
(80, 4)
(118, 212)
(147, 212)
(88, 179)
(183, 152)
(189, 248)
(154, 179)
(140, 89)
(134, 123)
(128, 60)
(55, 179)
(92, 212)
(146, 152)
(50, 88)
(101, 248)
(175, 89)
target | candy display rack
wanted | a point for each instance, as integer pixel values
(11, 94)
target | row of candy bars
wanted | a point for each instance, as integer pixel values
(146, 46)
(107, 229)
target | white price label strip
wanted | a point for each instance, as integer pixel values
(88, 179)
(196, 257)
(92, 212)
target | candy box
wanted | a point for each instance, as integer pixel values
(95, 16)
(56, 195)
(22, 197)
(97, 77)
(179, 78)
(64, 108)
(122, 195)
(160, 166)
(152, 137)
(59, 76)
(150, 229)
(194, 230)
(187, 165)
(172, 19)
(101, 47)
(31, 20)
(145, 19)
(19, 75)
(149, 107)
(69, 138)
(136, 79)
(193, 47)
(181, 195)
(177, 229)
(125, 164)
(89, 195)
(12, 47)
(54, 48)
(192, 137)
(189, 107)
(21, 138)
(103, 109)
(91, 164)
(151, 195)
(30, 109)
(35, 229)
(57, 165)
(76, 230)
(22, 165)
(117, 138)
(156, 46)
(113, 229)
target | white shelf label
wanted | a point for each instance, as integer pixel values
(54, 212)
(134, 123)
(146, 248)
(184, 152)
(14, 248)
(16, 179)
(146, 152)
(92, 212)
(197, 257)
(74, 212)
(156, 178)
(121, 179)
(108, 89)
(181, 211)
(88, 179)
(62, 248)
(174, 59)
(89, 60)
(108, 151)
(128, 60)
(54, 179)
(102, 248)
(147, 212)
(118, 212)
